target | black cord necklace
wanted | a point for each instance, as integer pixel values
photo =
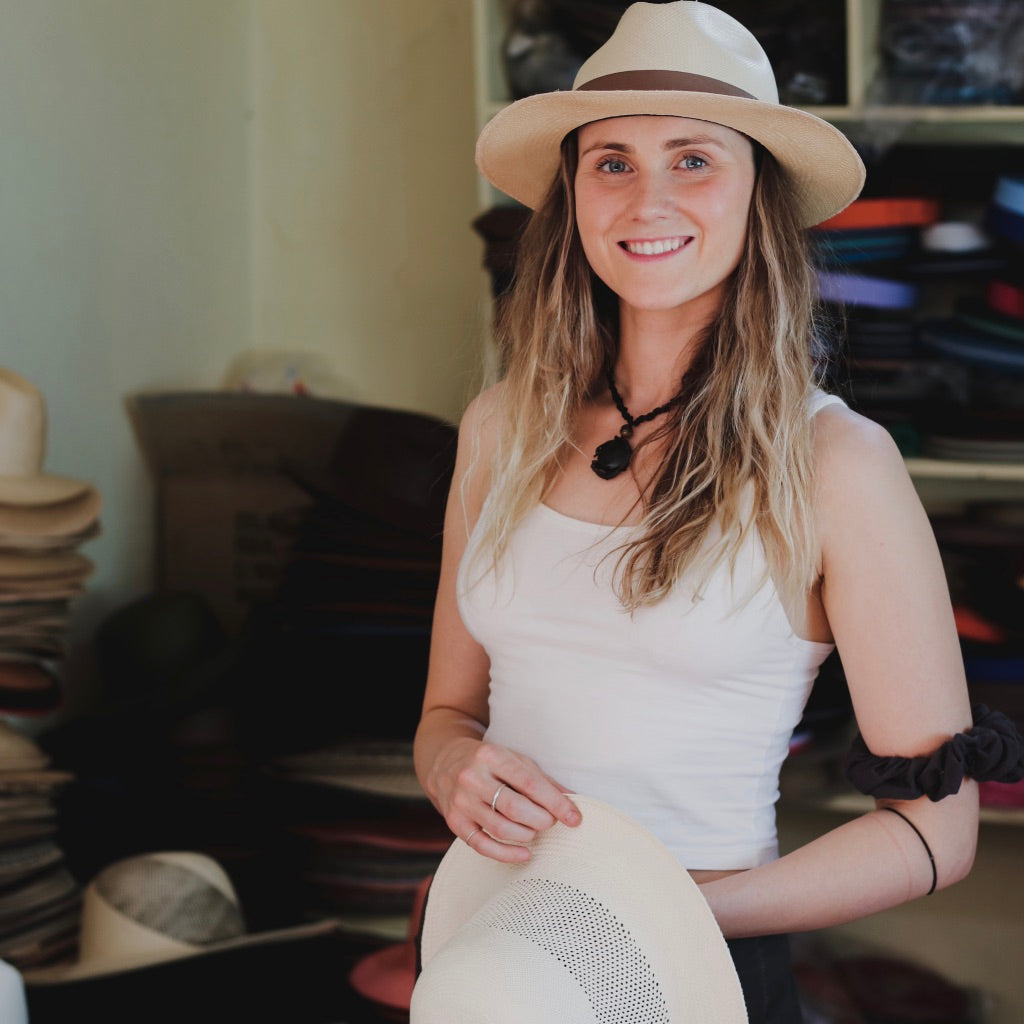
(612, 457)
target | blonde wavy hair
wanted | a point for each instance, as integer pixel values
(739, 453)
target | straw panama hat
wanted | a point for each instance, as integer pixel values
(601, 924)
(22, 448)
(687, 59)
(156, 908)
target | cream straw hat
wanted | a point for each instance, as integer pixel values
(159, 907)
(684, 58)
(23, 445)
(602, 924)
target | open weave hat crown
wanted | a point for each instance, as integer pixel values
(156, 908)
(601, 926)
(687, 59)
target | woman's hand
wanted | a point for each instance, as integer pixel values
(496, 800)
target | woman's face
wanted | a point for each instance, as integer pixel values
(661, 208)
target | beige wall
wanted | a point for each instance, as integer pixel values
(363, 193)
(183, 180)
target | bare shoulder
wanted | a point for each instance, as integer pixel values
(478, 438)
(482, 411)
(863, 491)
(852, 452)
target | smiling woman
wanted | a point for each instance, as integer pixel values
(661, 523)
(662, 209)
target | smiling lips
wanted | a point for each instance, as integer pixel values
(654, 246)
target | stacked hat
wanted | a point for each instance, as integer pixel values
(983, 550)
(385, 977)
(984, 334)
(860, 253)
(163, 936)
(987, 330)
(874, 261)
(43, 520)
(39, 897)
(360, 834)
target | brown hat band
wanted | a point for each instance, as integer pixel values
(675, 81)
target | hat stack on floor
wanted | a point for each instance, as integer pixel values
(43, 520)
(39, 897)
(360, 835)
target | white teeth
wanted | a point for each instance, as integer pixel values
(654, 248)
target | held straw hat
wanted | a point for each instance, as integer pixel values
(687, 59)
(601, 924)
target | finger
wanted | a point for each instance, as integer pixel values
(508, 830)
(537, 802)
(508, 853)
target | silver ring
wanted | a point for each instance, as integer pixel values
(494, 799)
(471, 834)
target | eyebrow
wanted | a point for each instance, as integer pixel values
(667, 146)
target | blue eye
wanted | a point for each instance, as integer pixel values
(693, 163)
(614, 164)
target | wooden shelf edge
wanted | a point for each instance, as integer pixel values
(948, 469)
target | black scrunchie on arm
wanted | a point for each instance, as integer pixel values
(992, 750)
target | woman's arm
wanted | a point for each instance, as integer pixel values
(459, 772)
(887, 600)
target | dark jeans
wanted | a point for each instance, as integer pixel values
(766, 976)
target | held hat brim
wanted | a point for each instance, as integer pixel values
(602, 911)
(518, 150)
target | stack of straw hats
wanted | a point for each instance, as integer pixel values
(39, 896)
(43, 520)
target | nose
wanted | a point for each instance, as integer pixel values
(650, 198)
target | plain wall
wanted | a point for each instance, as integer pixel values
(184, 181)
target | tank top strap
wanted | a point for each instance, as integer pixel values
(819, 399)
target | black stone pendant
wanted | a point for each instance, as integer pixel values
(612, 457)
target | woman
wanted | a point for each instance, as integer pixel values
(660, 525)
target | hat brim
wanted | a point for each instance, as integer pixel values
(615, 861)
(386, 976)
(44, 489)
(80, 970)
(290, 975)
(518, 149)
(54, 519)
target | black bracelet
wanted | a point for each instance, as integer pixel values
(935, 874)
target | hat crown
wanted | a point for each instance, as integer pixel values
(162, 905)
(602, 924)
(22, 426)
(687, 37)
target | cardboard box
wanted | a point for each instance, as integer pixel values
(231, 467)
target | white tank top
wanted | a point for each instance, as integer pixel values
(680, 714)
